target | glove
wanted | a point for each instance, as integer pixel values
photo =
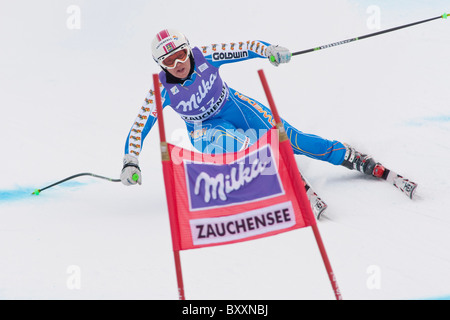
(130, 170)
(277, 55)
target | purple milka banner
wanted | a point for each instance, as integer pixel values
(251, 178)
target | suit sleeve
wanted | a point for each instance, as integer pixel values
(143, 123)
(219, 54)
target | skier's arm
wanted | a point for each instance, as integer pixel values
(142, 125)
(219, 54)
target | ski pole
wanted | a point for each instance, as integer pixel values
(444, 16)
(38, 191)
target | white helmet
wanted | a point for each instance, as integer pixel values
(166, 42)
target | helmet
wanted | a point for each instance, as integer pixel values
(166, 42)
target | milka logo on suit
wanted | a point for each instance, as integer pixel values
(197, 98)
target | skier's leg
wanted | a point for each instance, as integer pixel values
(250, 114)
(314, 146)
(334, 152)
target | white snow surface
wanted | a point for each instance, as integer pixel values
(69, 97)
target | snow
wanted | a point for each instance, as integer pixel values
(69, 96)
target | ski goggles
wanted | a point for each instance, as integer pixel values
(170, 61)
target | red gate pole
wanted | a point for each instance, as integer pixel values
(169, 185)
(286, 149)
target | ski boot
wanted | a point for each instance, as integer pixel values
(355, 160)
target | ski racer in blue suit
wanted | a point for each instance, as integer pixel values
(220, 119)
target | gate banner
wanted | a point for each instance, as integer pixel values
(233, 197)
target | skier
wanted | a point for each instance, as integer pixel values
(218, 118)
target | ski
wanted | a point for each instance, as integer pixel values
(405, 185)
(318, 206)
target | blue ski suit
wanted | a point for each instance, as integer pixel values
(218, 118)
